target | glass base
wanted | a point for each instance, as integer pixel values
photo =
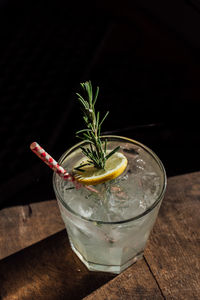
(115, 269)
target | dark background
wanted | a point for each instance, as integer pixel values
(144, 55)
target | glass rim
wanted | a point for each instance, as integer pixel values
(148, 210)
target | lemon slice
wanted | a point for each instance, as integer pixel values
(115, 166)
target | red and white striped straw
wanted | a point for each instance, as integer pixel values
(47, 159)
(52, 163)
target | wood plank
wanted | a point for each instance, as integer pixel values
(47, 270)
(135, 283)
(51, 268)
(169, 270)
(173, 252)
(22, 226)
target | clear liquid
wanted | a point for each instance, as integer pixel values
(114, 246)
(122, 198)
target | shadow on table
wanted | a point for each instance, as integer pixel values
(48, 270)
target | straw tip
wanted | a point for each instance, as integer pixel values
(33, 145)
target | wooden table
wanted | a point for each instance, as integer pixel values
(37, 262)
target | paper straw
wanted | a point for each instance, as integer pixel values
(52, 163)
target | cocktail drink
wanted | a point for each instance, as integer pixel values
(109, 225)
(109, 190)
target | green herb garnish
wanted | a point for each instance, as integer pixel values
(96, 151)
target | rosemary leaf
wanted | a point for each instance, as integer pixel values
(112, 152)
(79, 168)
(105, 146)
(104, 118)
(83, 130)
(96, 96)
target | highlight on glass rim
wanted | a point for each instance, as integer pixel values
(109, 190)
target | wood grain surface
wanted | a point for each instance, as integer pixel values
(137, 282)
(173, 251)
(48, 269)
(24, 225)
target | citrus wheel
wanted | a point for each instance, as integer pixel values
(90, 175)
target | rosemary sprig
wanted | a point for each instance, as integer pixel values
(96, 151)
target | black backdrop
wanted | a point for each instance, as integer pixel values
(146, 66)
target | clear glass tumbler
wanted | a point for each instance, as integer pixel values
(115, 240)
